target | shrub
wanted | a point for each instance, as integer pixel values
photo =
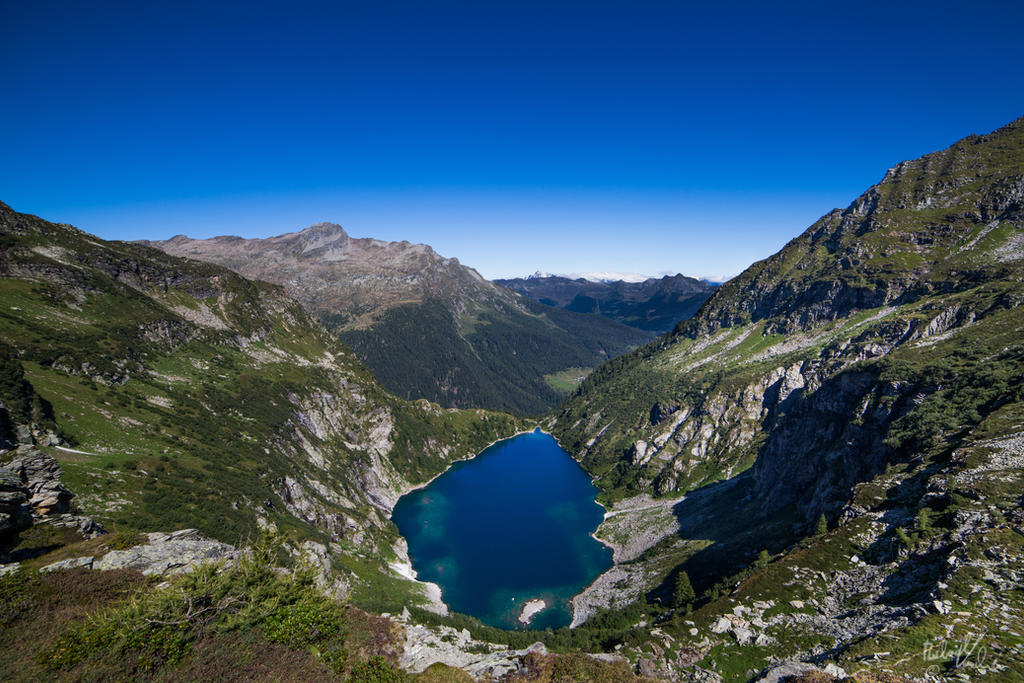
(376, 670)
(159, 627)
(122, 540)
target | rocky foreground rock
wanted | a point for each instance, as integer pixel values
(14, 515)
(40, 474)
(163, 554)
(31, 492)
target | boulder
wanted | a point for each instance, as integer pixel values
(833, 670)
(721, 626)
(646, 668)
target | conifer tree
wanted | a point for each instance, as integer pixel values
(683, 593)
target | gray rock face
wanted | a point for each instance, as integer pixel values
(173, 553)
(14, 516)
(40, 475)
(86, 526)
(30, 491)
(24, 434)
(73, 563)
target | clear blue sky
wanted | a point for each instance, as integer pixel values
(516, 136)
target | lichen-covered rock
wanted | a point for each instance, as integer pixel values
(168, 553)
(31, 491)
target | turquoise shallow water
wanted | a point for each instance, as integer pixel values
(510, 525)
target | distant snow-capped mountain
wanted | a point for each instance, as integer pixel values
(597, 276)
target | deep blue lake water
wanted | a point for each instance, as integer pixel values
(511, 525)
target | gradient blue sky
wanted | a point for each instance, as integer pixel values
(630, 136)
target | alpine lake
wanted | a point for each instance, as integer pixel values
(511, 526)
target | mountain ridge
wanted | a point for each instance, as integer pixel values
(654, 304)
(920, 186)
(427, 325)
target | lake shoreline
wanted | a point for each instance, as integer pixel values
(506, 479)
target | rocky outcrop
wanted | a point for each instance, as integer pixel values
(31, 492)
(14, 514)
(801, 670)
(168, 553)
(425, 646)
(876, 252)
(40, 475)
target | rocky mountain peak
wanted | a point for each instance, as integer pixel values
(941, 222)
(324, 230)
(326, 240)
